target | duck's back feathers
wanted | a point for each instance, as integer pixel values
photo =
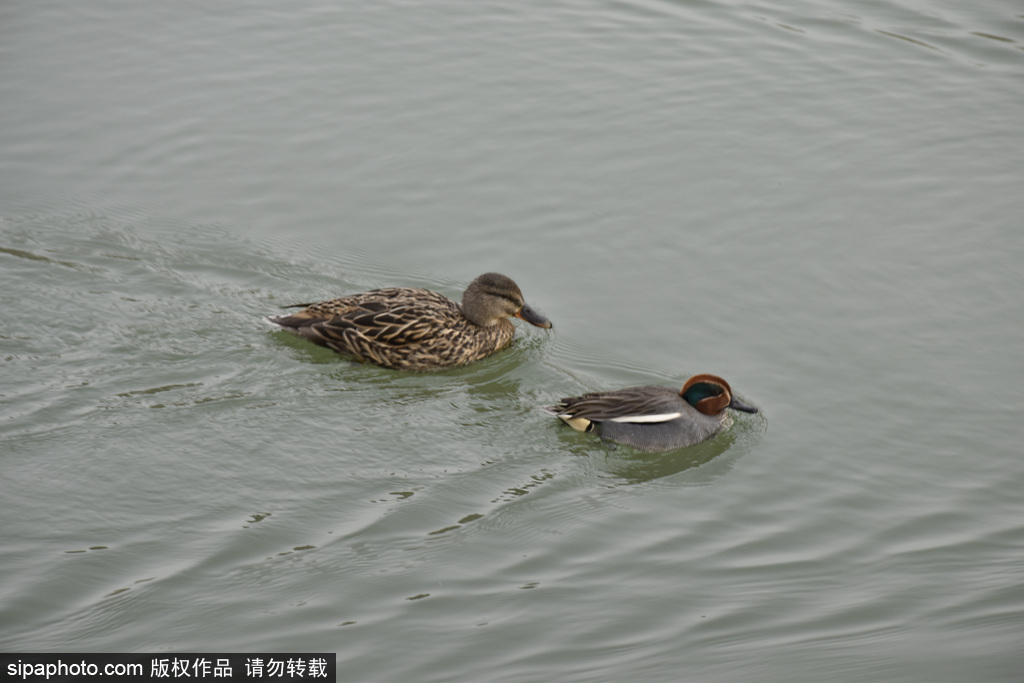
(634, 404)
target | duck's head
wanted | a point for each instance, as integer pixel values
(492, 296)
(711, 395)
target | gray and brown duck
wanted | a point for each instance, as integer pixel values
(407, 328)
(654, 418)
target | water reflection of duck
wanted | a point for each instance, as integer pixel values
(654, 418)
(408, 328)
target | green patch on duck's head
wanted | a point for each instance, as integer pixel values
(711, 395)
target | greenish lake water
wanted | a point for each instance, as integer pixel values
(819, 201)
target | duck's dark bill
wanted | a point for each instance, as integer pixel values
(737, 404)
(533, 317)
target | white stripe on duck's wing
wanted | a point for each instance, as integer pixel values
(663, 417)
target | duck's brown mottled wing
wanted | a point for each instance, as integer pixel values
(396, 325)
(374, 300)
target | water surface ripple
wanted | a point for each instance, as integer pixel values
(818, 201)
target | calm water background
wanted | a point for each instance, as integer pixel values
(820, 201)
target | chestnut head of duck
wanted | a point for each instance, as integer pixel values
(710, 395)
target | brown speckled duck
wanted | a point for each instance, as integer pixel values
(654, 418)
(408, 328)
